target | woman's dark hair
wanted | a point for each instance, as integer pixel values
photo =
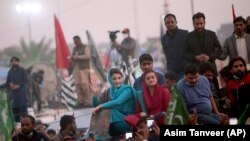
(148, 71)
(115, 70)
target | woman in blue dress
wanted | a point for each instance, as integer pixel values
(120, 102)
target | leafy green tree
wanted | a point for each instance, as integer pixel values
(30, 54)
(37, 52)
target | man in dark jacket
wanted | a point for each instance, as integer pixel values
(16, 83)
(28, 133)
(201, 45)
(172, 42)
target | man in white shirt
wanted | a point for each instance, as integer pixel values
(238, 44)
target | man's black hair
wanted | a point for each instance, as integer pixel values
(142, 120)
(226, 72)
(206, 66)
(66, 120)
(198, 15)
(169, 15)
(145, 57)
(231, 62)
(191, 69)
(51, 131)
(14, 58)
(171, 76)
(239, 19)
(33, 121)
(77, 37)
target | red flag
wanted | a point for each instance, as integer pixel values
(62, 50)
(234, 16)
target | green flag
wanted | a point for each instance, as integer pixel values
(177, 113)
(245, 115)
(6, 116)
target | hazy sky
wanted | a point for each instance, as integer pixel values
(99, 16)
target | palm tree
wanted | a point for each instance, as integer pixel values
(37, 52)
(30, 54)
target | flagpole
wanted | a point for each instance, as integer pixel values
(233, 12)
(136, 20)
(62, 54)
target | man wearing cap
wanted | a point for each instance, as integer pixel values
(127, 47)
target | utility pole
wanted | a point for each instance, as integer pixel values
(166, 7)
(136, 20)
(192, 7)
(29, 8)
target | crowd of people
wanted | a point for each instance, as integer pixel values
(191, 75)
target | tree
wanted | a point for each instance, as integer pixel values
(37, 52)
(30, 54)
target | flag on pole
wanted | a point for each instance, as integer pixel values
(6, 116)
(233, 12)
(62, 50)
(177, 113)
(95, 58)
(67, 87)
(245, 115)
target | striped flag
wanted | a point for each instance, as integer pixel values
(128, 78)
(68, 93)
